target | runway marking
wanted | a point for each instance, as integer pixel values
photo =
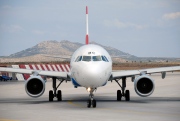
(71, 102)
(8, 120)
(127, 111)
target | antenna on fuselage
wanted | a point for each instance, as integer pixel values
(87, 36)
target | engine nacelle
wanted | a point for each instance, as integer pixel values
(35, 86)
(144, 85)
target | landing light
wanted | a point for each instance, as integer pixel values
(88, 89)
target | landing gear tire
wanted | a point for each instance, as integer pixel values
(94, 103)
(59, 95)
(127, 95)
(51, 95)
(89, 103)
(119, 95)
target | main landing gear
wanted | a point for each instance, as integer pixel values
(91, 101)
(55, 93)
(124, 93)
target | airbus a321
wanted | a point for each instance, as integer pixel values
(91, 67)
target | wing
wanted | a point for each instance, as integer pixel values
(130, 73)
(63, 75)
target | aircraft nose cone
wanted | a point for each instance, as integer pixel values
(94, 75)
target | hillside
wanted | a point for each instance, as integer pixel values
(65, 48)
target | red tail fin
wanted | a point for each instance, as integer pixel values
(87, 36)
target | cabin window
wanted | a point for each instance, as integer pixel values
(96, 58)
(86, 58)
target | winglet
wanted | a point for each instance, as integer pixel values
(87, 36)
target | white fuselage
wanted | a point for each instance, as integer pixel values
(91, 66)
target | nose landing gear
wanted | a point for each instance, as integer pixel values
(91, 101)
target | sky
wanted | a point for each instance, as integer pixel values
(144, 28)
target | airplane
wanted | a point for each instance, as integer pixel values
(91, 67)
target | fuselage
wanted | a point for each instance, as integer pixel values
(91, 66)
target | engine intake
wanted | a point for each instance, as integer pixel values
(35, 86)
(144, 85)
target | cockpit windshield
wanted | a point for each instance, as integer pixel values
(86, 58)
(91, 58)
(96, 58)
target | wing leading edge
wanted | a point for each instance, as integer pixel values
(129, 73)
(63, 75)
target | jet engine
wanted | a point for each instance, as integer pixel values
(35, 86)
(144, 85)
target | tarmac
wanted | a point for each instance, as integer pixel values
(162, 105)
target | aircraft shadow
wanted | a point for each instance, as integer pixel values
(84, 99)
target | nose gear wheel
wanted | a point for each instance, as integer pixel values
(91, 102)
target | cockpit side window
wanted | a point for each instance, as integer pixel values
(79, 58)
(86, 58)
(96, 58)
(104, 58)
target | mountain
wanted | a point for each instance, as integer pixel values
(66, 48)
(62, 48)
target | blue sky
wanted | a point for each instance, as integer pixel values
(145, 28)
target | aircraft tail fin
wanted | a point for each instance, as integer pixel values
(87, 34)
